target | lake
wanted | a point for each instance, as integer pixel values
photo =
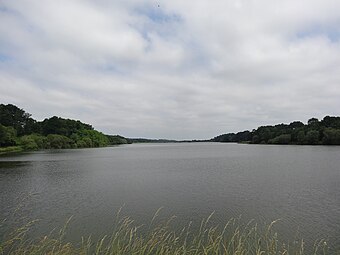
(300, 185)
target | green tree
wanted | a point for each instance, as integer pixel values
(301, 137)
(59, 142)
(256, 139)
(98, 139)
(312, 137)
(281, 139)
(331, 122)
(116, 139)
(65, 127)
(28, 143)
(12, 116)
(296, 124)
(54, 132)
(331, 136)
(85, 142)
(34, 142)
(7, 136)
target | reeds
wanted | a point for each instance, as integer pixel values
(160, 238)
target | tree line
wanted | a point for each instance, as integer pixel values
(18, 128)
(314, 132)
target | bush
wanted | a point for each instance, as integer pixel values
(7, 136)
(312, 137)
(281, 139)
(33, 142)
(331, 136)
(84, 143)
(28, 143)
(116, 139)
(59, 142)
(301, 137)
(97, 139)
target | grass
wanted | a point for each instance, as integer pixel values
(10, 149)
(129, 238)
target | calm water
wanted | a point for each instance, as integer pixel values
(298, 184)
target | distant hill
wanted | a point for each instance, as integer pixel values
(315, 132)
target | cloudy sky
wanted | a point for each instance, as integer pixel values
(171, 69)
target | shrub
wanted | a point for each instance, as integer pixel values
(331, 136)
(281, 139)
(7, 136)
(59, 142)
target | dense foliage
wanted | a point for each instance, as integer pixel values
(17, 128)
(315, 132)
(117, 139)
(18, 119)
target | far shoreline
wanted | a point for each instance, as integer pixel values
(17, 150)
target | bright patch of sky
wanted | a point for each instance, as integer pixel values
(171, 69)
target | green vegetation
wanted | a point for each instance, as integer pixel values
(117, 139)
(159, 239)
(10, 149)
(18, 131)
(7, 136)
(315, 132)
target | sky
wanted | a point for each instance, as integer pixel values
(171, 69)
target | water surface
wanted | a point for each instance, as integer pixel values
(298, 184)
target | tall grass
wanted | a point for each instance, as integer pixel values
(160, 238)
(10, 149)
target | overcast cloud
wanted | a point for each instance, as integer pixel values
(171, 69)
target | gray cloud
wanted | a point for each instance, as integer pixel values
(184, 70)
